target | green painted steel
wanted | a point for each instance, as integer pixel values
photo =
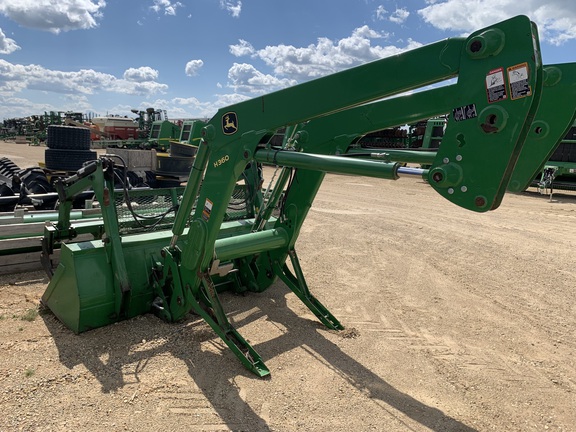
(554, 118)
(467, 170)
(173, 273)
(329, 164)
(82, 295)
(393, 155)
(249, 244)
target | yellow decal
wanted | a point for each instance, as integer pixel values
(221, 161)
(229, 123)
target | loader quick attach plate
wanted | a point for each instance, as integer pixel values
(484, 135)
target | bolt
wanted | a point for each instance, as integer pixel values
(463, 188)
(480, 201)
(459, 158)
(450, 191)
(445, 160)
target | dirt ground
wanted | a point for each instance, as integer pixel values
(455, 321)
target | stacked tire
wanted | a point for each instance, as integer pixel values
(17, 184)
(7, 187)
(68, 148)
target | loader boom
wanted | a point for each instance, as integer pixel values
(206, 251)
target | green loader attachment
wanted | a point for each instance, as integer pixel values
(172, 254)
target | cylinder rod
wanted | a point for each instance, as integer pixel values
(412, 171)
(326, 163)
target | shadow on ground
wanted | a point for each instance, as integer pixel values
(214, 372)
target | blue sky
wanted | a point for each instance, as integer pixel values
(192, 57)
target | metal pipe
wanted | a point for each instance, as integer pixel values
(413, 171)
(190, 192)
(249, 244)
(326, 163)
(266, 211)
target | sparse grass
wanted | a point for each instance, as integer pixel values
(29, 372)
(30, 315)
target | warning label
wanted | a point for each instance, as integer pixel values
(207, 210)
(464, 112)
(518, 79)
(495, 86)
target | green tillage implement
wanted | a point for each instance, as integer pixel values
(175, 272)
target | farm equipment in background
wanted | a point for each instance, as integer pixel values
(227, 233)
(559, 172)
(69, 149)
(162, 133)
(33, 129)
(426, 134)
(177, 162)
(146, 118)
(125, 132)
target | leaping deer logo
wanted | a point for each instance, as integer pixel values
(229, 123)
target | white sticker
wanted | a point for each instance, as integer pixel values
(207, 210)
(518, 79)
(495, 86)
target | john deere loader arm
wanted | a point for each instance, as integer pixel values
(204, 254)
(554, 117)
(483, 140)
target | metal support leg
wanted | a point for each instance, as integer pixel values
(210, 309)
(298, 285)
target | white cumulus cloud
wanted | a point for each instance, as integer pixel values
(556, 19)
(324, 57)
(245, 78)
(7, 45)
(54, 16)
(16, 77)
(399, 16)
(234, 7)
(167, 6)
(243, 48)
(141, 74)
(381, 12)
(193, 66)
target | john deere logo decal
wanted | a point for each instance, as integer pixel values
(229, 123)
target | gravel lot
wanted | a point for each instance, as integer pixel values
(455, 321)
